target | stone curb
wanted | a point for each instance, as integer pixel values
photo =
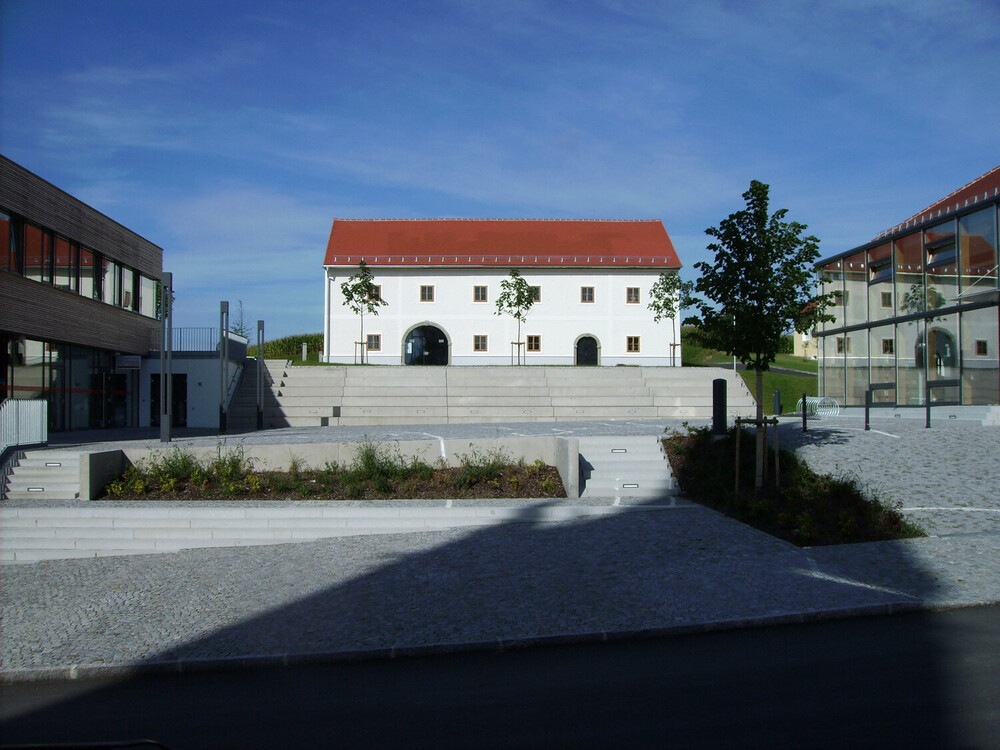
(184, 666)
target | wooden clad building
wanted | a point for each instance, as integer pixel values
(77, 291)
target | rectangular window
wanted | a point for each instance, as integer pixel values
(5, 244)
(536, 293)
(632, 343)
(586, 294)
(375, 292)
(65, 256)
(147, 296)
(479, 343)
(981, 348)
(479, 294)
(886, 299)
(87, 286)
(36, 253)
(843, 345)
(426, 294)
(374, 342)
(128, 288)
(534, 343)
(632, 295)
(888, 346)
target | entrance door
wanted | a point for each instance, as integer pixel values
(426, 345)
(586, 351)
(178, 400)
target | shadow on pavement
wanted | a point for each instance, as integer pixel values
(638, 571)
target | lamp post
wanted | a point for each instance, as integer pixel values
(223, 363)
(260, 374)
(166, 355)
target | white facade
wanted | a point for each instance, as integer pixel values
(618, 321)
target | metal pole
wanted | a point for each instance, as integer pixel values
(260, 374)
(804, 428)
(166, 344)
(868, 409)
(927, 403)
(223, 363)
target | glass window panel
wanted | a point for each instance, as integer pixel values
(881, 300)
(147, 296)
(909, 276)
(978, 251)
(87, 286)
(910, 361)
(942, 285)
(128, 288)
(833, 385)
(939, 243)
(980, 348)
(855, 289)
(856, 362)
(5, 242)
(833, 283)
(942, 347)
(109, 281)
(65, 275)
(35, 253)
(882, 355)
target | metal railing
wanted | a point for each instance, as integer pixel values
(23, 422)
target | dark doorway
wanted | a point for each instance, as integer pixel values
(586, 351)
(426, 345)
(178, 400)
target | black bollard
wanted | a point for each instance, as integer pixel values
(777, 403)
(719, 406)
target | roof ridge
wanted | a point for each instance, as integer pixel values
(455, 218)
(970, 183)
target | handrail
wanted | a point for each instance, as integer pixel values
(23, 422)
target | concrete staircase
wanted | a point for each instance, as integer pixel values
(337, 395)
(45, 475)
(30, 534)
(617, 467)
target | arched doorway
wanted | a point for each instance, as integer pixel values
(425, 345)
(586, 350)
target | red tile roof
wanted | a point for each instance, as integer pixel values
(985, 186)
(500, 242)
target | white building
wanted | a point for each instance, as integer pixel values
(441, 278)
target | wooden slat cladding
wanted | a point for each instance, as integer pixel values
(45, 312)
(42, 203)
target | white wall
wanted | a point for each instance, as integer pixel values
(560, 318)
(202, 389)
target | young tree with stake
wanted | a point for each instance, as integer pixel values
(666, 297)
(516, 299)
(362, 297)
(760, 285)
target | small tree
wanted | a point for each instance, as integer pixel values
(761, 284)
(362, 297)
(666, 297)
(515, 300)
(239, 326)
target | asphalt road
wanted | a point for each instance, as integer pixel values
(921, 680)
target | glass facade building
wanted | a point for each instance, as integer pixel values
(916, 316)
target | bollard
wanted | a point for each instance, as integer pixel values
(719, 406)
(804, 428)
(304, 352)
(777, 403)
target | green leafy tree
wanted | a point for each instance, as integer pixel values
(666, 298)
(362, 297)
(761, 284)
(516, 298)
(239, 326)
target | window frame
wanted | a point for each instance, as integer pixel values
(533, 342)
(536, 293)
(633, 344)
(480, 342)
(587, 295)
(375, 292)
(377, 338)
(426, 292)
(630, 292)
(482, 289)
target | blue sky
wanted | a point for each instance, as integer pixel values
(232, 133)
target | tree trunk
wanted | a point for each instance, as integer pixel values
(759, 482)
(364, 350)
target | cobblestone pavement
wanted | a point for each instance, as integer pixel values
(650, 571)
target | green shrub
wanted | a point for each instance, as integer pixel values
(476, 467)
